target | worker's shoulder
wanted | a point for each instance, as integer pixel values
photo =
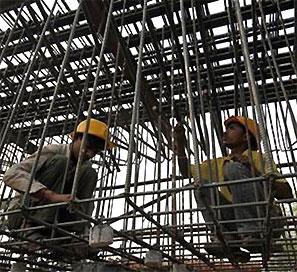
(257, 157)
(255, 153)
(214, 161)
(56, 148)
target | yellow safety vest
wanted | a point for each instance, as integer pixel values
(213, 170)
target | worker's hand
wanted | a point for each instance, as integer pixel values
(51, 196)
(55, 197)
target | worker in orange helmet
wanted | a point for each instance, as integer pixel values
(243, 162)
(51, 185)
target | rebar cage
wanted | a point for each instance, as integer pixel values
(141, 67)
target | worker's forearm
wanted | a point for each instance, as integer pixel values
(183, 164)
(43, 194)
(46, 194)
(180, 143)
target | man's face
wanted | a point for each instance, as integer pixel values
(88, 152)
(234, 136)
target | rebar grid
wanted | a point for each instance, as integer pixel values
(143, 66)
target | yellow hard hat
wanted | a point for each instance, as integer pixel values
(96, 128)
(250, 124)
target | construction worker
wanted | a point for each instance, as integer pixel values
(54, 177)
(244, 162)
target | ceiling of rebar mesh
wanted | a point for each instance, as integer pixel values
(29, 85)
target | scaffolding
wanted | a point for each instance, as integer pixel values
(142, 67)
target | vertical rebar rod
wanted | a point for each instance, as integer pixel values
(252, 84)
(277, 70)
(193, 125)
(136, 101)
(136, 104)
(92, 99)
(11, 33)
(27, 76)
(61, 73)
(267, 154)
(189, 95)
(173, 166)
(295, 32)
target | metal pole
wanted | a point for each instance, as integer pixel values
(61, 73)
(253, 86)
(136, 101)
(27, 75)
(92, 100)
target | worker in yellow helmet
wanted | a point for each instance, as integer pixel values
(243, 162)
(54, 177)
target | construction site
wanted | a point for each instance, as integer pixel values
(148, 70)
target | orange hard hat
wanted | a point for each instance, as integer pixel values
(96, 128)
(250, 124)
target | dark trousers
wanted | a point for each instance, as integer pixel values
(51, 175)
(247, 192)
